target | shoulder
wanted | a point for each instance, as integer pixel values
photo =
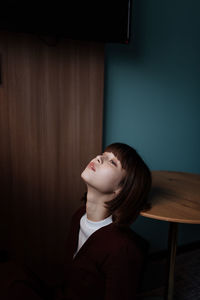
(120, 250)
(118, 240)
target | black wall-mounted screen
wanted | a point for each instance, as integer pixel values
(103, 20)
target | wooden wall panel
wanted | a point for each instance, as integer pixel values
(51, 106)
(5, 162)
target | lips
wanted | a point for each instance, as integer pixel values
(92, 166)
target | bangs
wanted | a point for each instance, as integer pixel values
(124, 153)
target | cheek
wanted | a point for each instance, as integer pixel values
(109, 179)
(109, 175)
(104, 180)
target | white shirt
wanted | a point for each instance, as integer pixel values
(88, 227)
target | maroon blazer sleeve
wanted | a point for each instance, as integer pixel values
(122, 273)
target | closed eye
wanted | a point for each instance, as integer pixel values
(113, 162)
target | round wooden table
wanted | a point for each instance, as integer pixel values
(175, 198)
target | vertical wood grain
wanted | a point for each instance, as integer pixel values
(51, 126)
(5, 162)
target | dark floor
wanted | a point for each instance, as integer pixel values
(187, 278)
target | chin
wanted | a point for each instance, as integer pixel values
(84, 175)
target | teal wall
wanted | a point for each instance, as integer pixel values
(152, 96)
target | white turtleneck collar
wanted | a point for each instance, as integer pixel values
(88, 227)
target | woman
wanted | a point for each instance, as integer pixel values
(104, 256)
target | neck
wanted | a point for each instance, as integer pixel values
(95, 206)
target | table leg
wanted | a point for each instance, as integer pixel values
(172, 242)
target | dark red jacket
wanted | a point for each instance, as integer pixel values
(107, 267)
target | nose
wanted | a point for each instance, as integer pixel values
(99, 159)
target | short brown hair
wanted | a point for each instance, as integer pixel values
(126, 206)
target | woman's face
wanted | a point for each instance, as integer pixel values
(104, 173)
